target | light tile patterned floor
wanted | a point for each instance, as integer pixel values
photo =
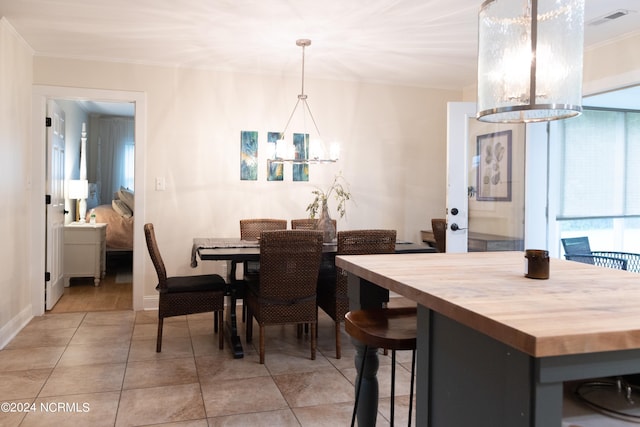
(102, 366)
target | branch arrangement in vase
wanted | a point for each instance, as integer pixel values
(340, 190)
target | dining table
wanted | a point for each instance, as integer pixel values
(494, 347)
(236, 251)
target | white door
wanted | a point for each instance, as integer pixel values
(459, 116)
(54, 287)
(485, 182)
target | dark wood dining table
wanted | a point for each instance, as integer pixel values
(234, 251)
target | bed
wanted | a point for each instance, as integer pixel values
(118, 215)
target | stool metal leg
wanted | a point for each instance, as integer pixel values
(413, 370)
(393, 386)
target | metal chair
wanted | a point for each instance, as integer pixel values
(576, 245)
(182, 295)
(601, 261)
(332, 289)
(632, 259)
(286, 290)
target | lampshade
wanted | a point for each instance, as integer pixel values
(78, 189)
(530, 60)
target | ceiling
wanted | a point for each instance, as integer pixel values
(423, 43)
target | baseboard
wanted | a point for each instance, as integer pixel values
(150, 302)
(15, 325)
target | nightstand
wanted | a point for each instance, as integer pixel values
(84, 251)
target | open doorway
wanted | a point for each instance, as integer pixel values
(41, 94)
(103, 159)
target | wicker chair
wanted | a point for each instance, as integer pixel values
(286, 290)
(601, 261)
(182, 295)
(439, 227)
(250, 229)
(332, 293)
(308, 224)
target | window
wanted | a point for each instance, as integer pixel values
(128, 159)
(600, 191)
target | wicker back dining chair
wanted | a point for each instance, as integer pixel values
(286, 290)
(308, 224)
(182, 295)
(250, 229)
(439, 228)
(332, 294)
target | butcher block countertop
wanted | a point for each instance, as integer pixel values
(581, 308)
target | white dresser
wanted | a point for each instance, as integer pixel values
(84, 251)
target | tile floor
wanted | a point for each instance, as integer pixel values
(101, 369)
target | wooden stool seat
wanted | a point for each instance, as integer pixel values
(388, 328)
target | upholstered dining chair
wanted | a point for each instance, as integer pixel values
(439, 228)
(182, 295)
(286, 290)
(332, 293)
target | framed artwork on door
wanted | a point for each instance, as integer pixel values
(494, 167)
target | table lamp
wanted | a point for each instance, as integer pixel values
(79, 190)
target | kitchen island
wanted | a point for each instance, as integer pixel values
(495, 347)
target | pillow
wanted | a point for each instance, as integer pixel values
(122, 208)
(126, 196)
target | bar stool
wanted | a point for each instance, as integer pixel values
(388, 328)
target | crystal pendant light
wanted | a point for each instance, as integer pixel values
(530, 60)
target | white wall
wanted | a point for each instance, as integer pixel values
(393, 149)
(15, 121)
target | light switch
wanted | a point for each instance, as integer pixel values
(161, 184)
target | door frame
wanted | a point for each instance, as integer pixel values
(37, 220)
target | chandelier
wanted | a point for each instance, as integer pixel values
(530, 60)
(313, 149)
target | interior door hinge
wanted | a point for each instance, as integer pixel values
(47, 122)
(47, 199)
(47, 276)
